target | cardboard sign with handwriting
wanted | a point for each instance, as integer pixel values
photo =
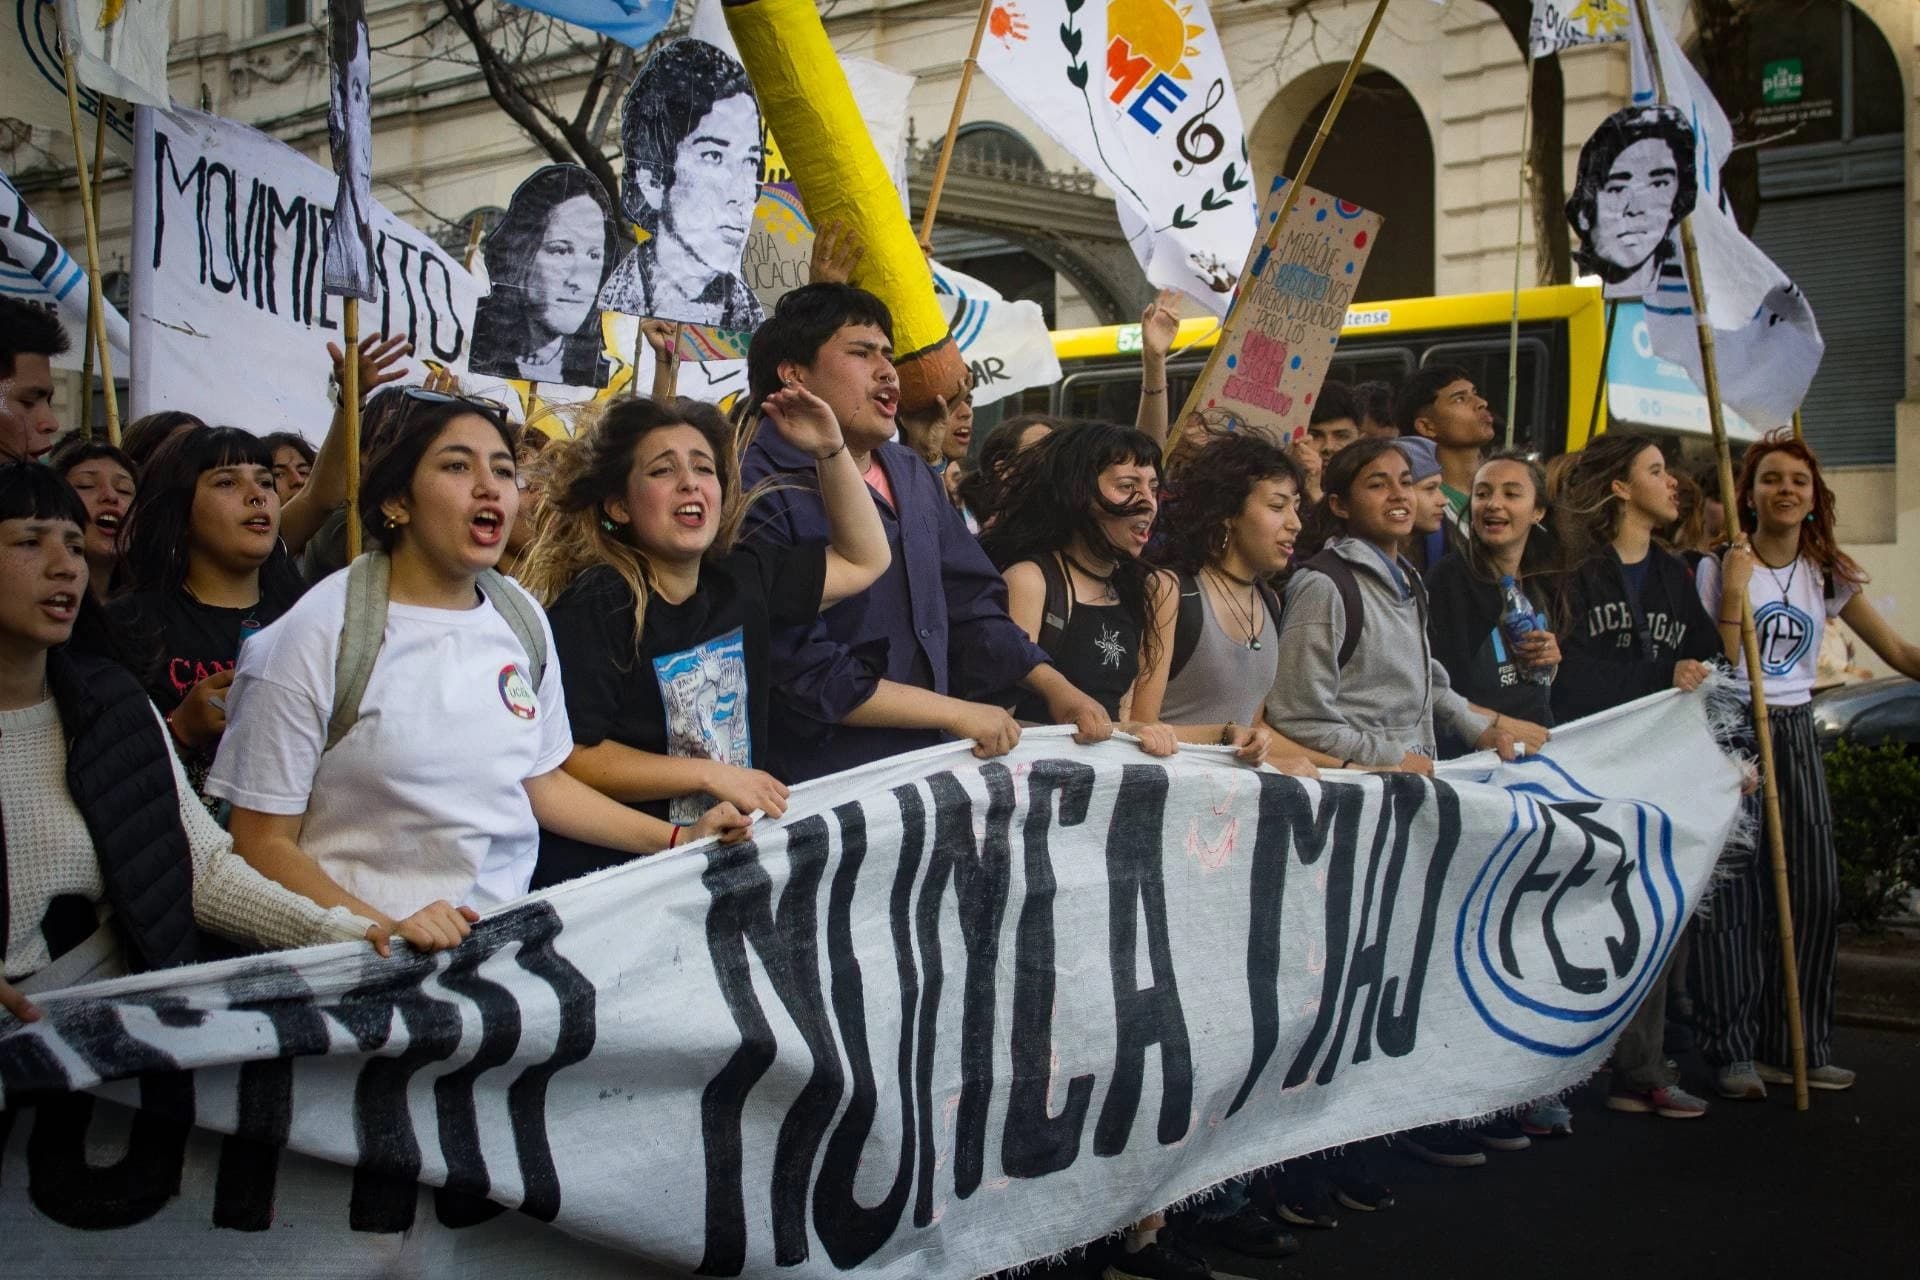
(1292, 304)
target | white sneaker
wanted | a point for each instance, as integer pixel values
(1828, 1077)
(1740, 1081)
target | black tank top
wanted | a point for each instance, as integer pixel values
(1098, 652)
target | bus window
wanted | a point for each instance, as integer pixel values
(1112, 393)
(1538, 428)
(1356, 364)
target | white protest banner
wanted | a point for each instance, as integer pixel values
(1766, 342)
(229, 318)
(36, 83)
(120, 46)
(1138, 91)
(1568, 24)
(1006, 344)
(36, 268)
(947, 1016)
(1293, 303)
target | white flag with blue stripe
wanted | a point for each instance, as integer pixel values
(631, 22)
(1767, 344)
(36, 268)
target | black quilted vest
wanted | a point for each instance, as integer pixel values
(121, 779)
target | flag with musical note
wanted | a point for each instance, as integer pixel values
(1138, 91)
(120, 46)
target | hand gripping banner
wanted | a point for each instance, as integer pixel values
(948, 1016)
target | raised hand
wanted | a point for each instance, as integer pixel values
(837, 254)
(1160, 325)
(382, 360)
(804, 420)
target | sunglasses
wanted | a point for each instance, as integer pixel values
(479, 404)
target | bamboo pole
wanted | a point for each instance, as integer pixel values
(1299, 180)
(1749, 638)
(967, 68)
(350, 415)
(98, 323)
(666, 367)
(94, 302)
(1799, 433)
(1519, 245)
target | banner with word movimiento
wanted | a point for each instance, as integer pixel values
(947, 1016)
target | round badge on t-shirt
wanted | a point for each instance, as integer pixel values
(517, 693)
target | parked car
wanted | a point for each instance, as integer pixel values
(1874, 711)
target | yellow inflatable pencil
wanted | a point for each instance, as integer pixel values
(806, 103)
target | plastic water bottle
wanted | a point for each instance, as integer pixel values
(1517, 619)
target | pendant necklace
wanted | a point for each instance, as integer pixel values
(1248, 617)
(1106, 583)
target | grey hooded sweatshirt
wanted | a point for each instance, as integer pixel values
(1384, 702)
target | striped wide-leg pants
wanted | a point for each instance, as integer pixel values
(1741, 1008)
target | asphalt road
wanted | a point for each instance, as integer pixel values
(1750, 1190)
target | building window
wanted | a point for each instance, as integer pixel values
(281, 14)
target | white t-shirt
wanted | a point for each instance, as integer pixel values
(1790, 612)
(422, 799)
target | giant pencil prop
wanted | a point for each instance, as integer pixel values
(806, 103)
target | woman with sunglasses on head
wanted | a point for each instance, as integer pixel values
(204, 572)
(1629, 624)
(1796, 577)
(106, 480)
(397, 738)
(662, 620)
(108, 863)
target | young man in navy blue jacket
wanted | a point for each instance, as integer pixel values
(926, 652)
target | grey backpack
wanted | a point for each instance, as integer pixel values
(364, 628)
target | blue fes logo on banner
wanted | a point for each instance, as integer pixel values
(631, 22)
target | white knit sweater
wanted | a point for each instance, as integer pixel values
(49, 853)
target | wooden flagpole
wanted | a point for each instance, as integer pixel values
(1799, 433)
(98, 322)
(967, 68)
(1600, 381)
(1749, 639)
(1274, 232)
(350, 419)
(93, 303)
(1519, 245)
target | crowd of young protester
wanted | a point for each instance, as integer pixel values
(560, 655)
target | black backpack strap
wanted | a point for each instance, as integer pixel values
(1329, 562)
(1186, 627)
(1058, 605)
(1274, 606)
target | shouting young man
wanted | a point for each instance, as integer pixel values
(30, 337)
(926, 651)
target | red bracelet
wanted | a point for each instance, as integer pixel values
(674, 839)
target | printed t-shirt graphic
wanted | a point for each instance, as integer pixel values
(704, 691)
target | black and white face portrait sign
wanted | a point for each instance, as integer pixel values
(546, 263)
(1635, 183)
(691, 136)
(349, 263)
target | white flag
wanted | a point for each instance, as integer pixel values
(1138, 91)
(1767, 345)
(120, 46)
(1566, 24)
(1006, 344)
(36, 268)
(35, 91)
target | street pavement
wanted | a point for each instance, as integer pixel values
(1750, 1190)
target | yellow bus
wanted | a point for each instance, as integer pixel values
(1562, 340)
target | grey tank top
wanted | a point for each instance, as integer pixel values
(1223, 681)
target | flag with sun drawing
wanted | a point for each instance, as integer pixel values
(1138, 91)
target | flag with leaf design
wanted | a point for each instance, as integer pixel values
(1138, 92)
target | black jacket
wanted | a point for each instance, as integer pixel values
(1613, 651)
(121, 778)
(1463, 621)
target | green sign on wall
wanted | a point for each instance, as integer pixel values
(1782, 81)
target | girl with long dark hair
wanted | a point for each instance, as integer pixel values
(110, 864)
(205, 572)
(1629, 623)
(662, 620)
(397, 737)
(1076, 514)
(1508, 538)
(106, 480)
(1796, 577)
